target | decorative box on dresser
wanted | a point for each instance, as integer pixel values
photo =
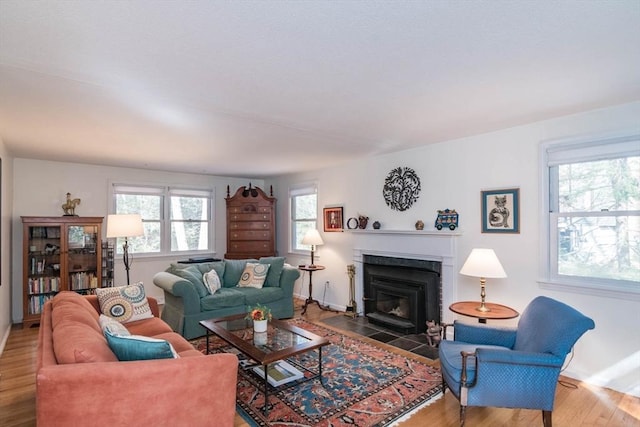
(251, 223)
(60, 254)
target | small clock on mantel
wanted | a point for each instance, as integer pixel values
(401, 188)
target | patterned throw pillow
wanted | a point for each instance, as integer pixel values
(254, 275)
(211, 281)
(124, 303)
(113, 327)
(138, 347)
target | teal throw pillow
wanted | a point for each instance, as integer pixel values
(276, 265)
(138, 347)
(193, 275)
(233, 270)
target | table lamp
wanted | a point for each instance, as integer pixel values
(125, 225)
(483, 263)
(313, 239)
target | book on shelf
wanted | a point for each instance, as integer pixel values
(279, 373)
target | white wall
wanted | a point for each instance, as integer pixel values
(452, 175)
(6, 191)
(40, 188)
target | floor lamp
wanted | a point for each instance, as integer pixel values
(125, 225)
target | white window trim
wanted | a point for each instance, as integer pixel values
(167, 191)
(299, 190)
(558, 152)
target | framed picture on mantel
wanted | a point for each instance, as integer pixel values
(501, 211)
(333, 219)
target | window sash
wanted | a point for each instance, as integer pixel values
(299, 225)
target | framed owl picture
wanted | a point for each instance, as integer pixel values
(501, 211)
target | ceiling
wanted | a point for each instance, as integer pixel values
(263, 88)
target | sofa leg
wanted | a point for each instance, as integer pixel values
(463, 410)
(546, 418)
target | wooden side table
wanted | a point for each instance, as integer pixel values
(498, 311)
(310, 300)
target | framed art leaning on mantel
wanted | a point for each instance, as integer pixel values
(501, 211)
(333, 219)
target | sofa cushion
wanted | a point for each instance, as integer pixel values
(212, 281)
(138, 347)
(176, 340)
(253, 275)
(192, 274)
(233, 269)
(72, 306)
(77, 342)
(253, 296)
(124, 303)
(276, 265)
(148, 327)
(223, 298)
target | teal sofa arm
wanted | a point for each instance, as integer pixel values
(176, 288)
(288, 279)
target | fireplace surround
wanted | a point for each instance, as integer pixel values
(439, 246)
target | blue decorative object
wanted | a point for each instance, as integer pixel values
(509, 367)
(447, 218)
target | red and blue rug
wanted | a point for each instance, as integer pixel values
(363, 385)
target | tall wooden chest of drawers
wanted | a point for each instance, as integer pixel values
(251, 223)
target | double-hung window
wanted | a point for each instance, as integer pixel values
(591, 215)
(304, 214)
(176, 220)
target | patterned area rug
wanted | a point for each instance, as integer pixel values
(364, 385)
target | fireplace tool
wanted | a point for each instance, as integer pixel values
(352, 310)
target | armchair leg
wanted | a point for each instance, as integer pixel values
(546, 418)
(463, 410)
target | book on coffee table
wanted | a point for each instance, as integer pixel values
(279, 373)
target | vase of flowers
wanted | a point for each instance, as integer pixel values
(260, 315)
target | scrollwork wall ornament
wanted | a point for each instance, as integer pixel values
(401, 188)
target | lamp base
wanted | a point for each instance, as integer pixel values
(483, 308)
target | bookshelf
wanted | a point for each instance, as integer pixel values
(60, 254)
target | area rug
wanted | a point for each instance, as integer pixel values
(363, 385)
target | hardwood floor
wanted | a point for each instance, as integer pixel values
(584, 405)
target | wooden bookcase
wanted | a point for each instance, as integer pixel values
(60, 254)
(251, 223)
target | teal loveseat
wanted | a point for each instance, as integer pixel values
(187, 300)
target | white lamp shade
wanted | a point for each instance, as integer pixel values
(124, 225)
(483, 263)
(312, 238)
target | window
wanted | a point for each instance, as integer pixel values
(592, 215)
(174, 219)
(304, 214)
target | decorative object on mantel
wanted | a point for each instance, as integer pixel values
(376, 225)
(362, 221)
(333, 219)
(69, 207)
(401, 188)
(501, 211)
(352, 223)
(419, 225)
(352, 308)
(447, 218)
(483, 263)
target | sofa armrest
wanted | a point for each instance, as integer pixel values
(149, 392)
(483, 334)
(288, 278)
(179, 287)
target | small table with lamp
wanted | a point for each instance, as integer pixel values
(310, 300)
(496, 311)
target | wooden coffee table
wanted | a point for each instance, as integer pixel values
(281, 342)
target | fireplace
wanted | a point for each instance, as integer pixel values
(401, 293)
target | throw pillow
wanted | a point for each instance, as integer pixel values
(254, 275)
(276, 265)
(138, 347)
(112, 326)
(212, 281)
(193, 275)
(124, 303)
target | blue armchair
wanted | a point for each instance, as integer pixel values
(512, 367)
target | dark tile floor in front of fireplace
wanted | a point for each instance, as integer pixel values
(415, 343)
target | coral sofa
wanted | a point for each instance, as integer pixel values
(187, 300)
(79, 380)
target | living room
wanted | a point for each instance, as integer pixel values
(453, 172)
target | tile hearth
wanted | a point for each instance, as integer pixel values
(414, 343)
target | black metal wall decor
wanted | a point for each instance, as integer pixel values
(401, 188)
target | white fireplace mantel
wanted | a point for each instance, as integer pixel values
(425, 245)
